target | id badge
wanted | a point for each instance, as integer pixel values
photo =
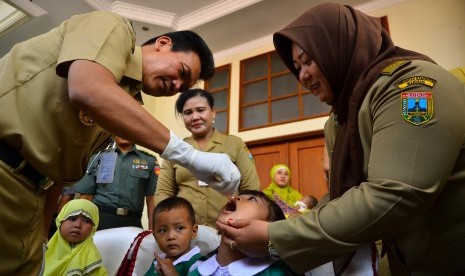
(106, 169)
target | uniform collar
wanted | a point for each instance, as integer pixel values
(184, 258)
(217, 138)
(245, 266)
(134, 66)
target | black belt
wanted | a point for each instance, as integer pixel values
(119, 211)
(14, 159)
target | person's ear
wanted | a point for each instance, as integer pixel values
(195, 230)
(162, 42)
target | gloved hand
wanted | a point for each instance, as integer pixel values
(215, 169)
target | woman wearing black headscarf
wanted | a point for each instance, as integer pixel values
(395, 136)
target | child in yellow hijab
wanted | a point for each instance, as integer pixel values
(290, 200)
(71, 250)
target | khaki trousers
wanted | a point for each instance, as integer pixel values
(21, 223)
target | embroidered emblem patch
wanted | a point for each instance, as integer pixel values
(250, 156)
(415, 81)
(86, 119)
(156, 170)
(417, 107)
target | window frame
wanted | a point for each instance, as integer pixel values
(227, 87)
(299, 92)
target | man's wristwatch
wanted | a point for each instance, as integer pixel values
(272, 251)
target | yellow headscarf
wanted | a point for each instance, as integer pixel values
(286, 194)
(64, 258)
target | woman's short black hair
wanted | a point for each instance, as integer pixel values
(186, 95)
(189, 41)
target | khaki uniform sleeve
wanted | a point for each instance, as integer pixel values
(246, 165)
(103, 37)
(166, 183)
(406, 166)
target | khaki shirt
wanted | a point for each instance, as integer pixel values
(174, 180)
(36, 115)
(415, 188)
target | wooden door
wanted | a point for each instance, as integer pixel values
(266, 157)
(306, 163)
(303, 156)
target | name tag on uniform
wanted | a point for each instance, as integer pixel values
(106, 169)
(202, 184)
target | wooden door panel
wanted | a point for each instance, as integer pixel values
(266, 157)
(304, 158)
(307, 174)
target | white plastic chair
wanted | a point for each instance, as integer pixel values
(114, 243)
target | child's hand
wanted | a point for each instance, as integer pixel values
(165, 266)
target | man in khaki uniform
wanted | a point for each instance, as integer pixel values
(62, 95)
(396, 139)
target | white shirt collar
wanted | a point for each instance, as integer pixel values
(186, 257)
(245, 266)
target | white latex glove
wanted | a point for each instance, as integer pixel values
(215, 169)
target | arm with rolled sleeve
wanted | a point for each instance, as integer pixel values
(93, 87)
(406, 167)
(94, 67)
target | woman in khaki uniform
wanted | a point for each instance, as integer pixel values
(396, 139)
(62, 93)
(197, 109)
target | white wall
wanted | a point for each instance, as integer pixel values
(435, 28)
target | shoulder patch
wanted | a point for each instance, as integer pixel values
(415, 81)
(417, 107)
(250, 156)
(248, 152)
(391, 68)
(156, 169)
